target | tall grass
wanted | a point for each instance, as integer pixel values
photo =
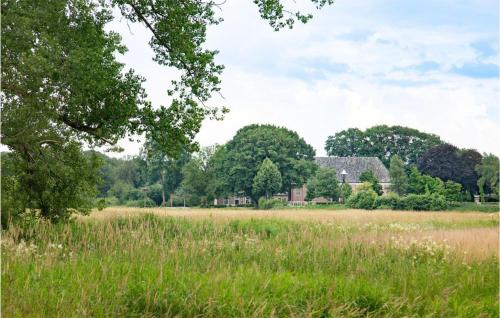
(150, 266)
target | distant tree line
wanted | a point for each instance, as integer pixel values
(260, 161)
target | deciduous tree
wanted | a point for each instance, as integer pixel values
(447, 162)
(382, 142)
(238, 161)
(324, 184)
(487, 170)
(198, 177)
(399, 179)
(267, 181)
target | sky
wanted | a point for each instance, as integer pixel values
(429, 65)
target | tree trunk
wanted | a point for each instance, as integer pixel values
(171, 199)
(163, 196)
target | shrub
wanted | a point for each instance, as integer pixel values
(423, 202)
(101, 204)
(111, 201)
(12, 203)
(389, 201)
(453, 191)
(120, 191)
(266, 204)
(134, 194)
(417, 202)
(365, 199)
(345, 191)
(368, 176)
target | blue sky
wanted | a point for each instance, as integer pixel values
(430, 65)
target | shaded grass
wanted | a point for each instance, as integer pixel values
(471, 206)
(164, 267)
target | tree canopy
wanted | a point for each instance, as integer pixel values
(239, 160)
(381, 141)
(447, 162)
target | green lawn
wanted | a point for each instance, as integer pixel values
(151, 266)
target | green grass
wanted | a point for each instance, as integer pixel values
(471, 206)
(166, 267)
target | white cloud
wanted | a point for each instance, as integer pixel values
(281, 77)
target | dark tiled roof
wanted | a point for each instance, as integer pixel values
(354, 166)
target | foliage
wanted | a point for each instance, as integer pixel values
(199, 182)
(131, 171)
(368, 176)
(237, 162)
(164, 169)
(12, 201)
(345, 191)
(453, 191)
(122, 191)
(363, 199)
(56, 182)
(399, 179)
(382, 142)
(488, 171)
(267, 181)
(413, 202)
(324, 184)
(447, 162)
(422, 202)
(267, 204)
(391, 201)
(424, 184)
(155, 193)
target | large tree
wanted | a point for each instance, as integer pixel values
(238, 161)
(62, 86)
(381, 141)
(447, 162)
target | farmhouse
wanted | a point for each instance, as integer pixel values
(348, 170)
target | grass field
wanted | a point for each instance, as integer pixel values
(129, 262)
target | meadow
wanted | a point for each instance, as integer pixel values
(160, 262)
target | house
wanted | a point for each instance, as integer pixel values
(352, 167)
(348, 169)
(233, 200)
